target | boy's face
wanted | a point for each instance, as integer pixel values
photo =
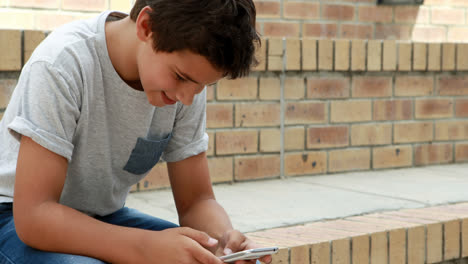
(170, 77)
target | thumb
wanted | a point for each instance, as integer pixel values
(201, 237)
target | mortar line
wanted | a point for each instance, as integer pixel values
(282, 105)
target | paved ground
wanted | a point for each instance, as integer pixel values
(272, 203)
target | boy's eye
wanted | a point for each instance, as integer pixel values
(180, 78)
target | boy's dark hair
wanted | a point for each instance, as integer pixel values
(223, 31)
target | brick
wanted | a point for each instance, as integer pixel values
(404, 56)
(389, 55)
(253, 115)
(342, 55)
(238, 89)
(325, 54)
(6, 90)
(429, 33)
(392, 157)
(434, 243)
(306, 113)
(453, 85)
(448, 56)
(210, 92)
(52, 20)
(9, 19)
(294, 88)
(328, 88)
(462, 56)
(282, 257)
(293, 54)
(394, 32)
(379, 250)
(270, 88)
(281, 29)
(275, 54)
(338, 12)
(320, 253)
(382, 14)
(34, 3)
(305, 163)
(260, 55)
(412, 14)
(419, 56)
(461, 152)
(256, 167)
(300, 255)
(354, 31)
(157, 178)
(341, 251)
(301, 10)
(397, 246)
(121, 5)
(374, 55)
(386, 110)
(457, 34)
(350, 111)
(447, 16)
(134, 187)
(371, 86)
(416, 245)
(433, 154)
(435, 57)
(11, 56)
(358, 55)
(461, 107)
(320, 30)
(349, 160)
(221, 169)
(412, 132)
(413, 85)
(270, 140)
(371, 134)
(433, 108)
(84, 5)
(464, 238)
(236, 142)
(327, 137)
(361, 249)
(309, 54)
(267, 9)
(452, 239)
(451, 130)
(219, 115)
(294, 138)
(211, 144)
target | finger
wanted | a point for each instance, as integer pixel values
(201, 237)
(266, 259)
(235, 241)
(204, 256)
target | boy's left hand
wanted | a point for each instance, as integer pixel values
(234, 241)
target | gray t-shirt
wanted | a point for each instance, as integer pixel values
(70, 100)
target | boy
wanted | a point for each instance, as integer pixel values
(96, 106)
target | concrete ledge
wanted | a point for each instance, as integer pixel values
(425, 235)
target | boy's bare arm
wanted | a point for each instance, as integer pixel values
(43, 223)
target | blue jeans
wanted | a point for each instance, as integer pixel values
(14, 251)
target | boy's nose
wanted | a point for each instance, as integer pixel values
(186, 94)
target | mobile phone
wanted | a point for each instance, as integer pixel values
(249, 254)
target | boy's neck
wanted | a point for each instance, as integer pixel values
(122, 45)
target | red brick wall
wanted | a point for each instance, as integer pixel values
(434, 21)
(335, 106)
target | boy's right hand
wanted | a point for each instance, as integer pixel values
(182, 245)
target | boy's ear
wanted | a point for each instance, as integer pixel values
(143, 28)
